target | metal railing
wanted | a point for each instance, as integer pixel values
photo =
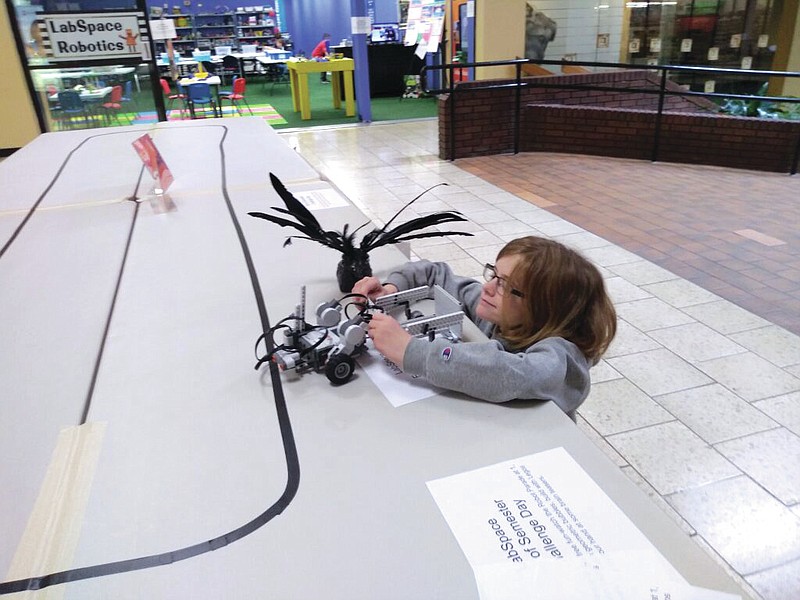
(521, 81)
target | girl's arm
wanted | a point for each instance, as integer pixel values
(553, 369)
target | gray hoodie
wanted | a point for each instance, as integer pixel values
(552, 369)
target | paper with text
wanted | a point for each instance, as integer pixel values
(542, 521)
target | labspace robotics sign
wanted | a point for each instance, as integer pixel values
(75, 36)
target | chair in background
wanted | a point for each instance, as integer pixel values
(71, 106)
(210, 67)
(277, 74)
(237, 95)
(230, 67)
(127, 97)
(114, 104)
(172, 97)
(199, 94)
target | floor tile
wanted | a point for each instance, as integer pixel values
(581, 241)
(621, 290)
(725, 317)
(695, 342)
(746, 525)
(602, 371)
(659, 371)
(617, 405)
(599, 440)
(630, 340)
(778, 583)
(558, 227)
(750, 376)
(714, 413)
(658, 499)
(652, 313)
(680, 293)
(610, 255)
(772, 458)
(642, 272)
(783, 409)
(672, 458)
(477, 239)
(777, 345)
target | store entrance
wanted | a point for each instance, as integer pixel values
(87, 68)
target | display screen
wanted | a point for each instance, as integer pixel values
(385, 33)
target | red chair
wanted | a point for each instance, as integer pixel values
(172, 97)
(114, 104)
(239, 86)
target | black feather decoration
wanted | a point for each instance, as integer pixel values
(344, 241)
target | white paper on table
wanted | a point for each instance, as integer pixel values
(399, 388)
(321, 199)
(541, 520)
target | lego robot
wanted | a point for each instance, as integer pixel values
(332, 344)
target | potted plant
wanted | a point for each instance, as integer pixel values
(355, 255)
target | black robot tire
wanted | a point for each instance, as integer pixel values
(339, 368)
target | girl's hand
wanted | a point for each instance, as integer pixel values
(372, 288)
(389, 338)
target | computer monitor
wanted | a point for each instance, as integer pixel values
(385, 33)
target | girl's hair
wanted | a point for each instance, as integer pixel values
(564, 296)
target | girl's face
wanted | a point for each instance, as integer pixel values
(496, 302)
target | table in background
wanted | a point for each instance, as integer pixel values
(341, 70)
(184, 441)
(91, 98)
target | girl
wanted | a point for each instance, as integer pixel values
(544, 308)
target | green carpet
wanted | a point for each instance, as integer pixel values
(279, 97)
(322, 111)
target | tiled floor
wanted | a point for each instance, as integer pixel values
(698, 399)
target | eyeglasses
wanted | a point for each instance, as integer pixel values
(490, 273)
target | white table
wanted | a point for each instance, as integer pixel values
(183, 441)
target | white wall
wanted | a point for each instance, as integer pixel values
(579, 23)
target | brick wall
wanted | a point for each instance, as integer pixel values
(709, 139)
(610, 123)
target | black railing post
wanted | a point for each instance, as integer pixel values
(517, 102)
(661, 93)
(452, 107)
(796, 157)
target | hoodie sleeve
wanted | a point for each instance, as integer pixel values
(553, 369)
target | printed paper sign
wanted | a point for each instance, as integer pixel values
(93, 35)
(713, 53)
(152, 159)
(747, 62)
(686, 45)
(321, 199)
(541, 520)
(736, 40)
(763, 40)
(163, 29)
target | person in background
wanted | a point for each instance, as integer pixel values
(321, 52)
(544, 308)
(278, 42)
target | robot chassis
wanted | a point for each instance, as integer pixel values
(331, 345)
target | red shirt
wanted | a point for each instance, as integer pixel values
(320, 50)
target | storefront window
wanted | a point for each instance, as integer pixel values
(88, 61)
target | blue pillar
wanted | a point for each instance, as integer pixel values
(470, 35)
(358, 12)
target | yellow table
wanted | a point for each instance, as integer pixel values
(341, 69)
